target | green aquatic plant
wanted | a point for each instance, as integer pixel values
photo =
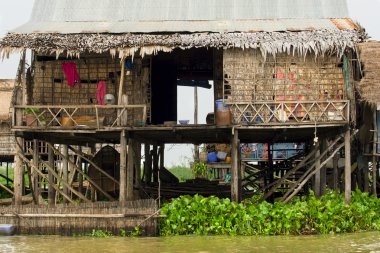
(305, 215)
(199, 170)
(100, 233)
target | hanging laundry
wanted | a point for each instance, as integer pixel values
(101, 92)
(71, 73)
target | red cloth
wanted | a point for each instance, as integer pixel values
(101, 92)
(71, 73)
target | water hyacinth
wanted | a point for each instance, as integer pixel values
(306, 215)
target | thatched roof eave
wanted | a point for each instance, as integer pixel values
(318, 42)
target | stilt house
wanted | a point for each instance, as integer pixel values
(106, 72)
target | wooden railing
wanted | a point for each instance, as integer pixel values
(290, 111)
(90, 116)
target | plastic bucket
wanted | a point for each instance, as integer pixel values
(212, 158)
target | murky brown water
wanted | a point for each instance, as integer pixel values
(360, 242)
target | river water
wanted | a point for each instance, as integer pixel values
(359, 242)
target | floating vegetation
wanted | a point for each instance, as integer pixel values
(307, 215)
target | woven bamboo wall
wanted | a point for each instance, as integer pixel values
(249, 77)
(51, 88)
(83, 218)
(369, 86)
(7, 144)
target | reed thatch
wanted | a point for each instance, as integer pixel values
(369, 86)
(319, 42)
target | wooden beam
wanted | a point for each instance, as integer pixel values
(323, 169)
(155, 163)
(317, 176)
(120, 92)
(290, 172)
(56, 187)
(51, 190)
(137, 164)
(18, 172)
(36, 187)
(130, 170)
(311, 172)
(123, 168)
(148, 164)
(65, 168)
(335, 185)
(347, 167)
(235, 168)
(80, 153)
(80, 171)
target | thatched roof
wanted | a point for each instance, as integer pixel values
(318, 42)
(145, 26)
(369, 86)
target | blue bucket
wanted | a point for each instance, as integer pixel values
(211, 157)
(220, 105)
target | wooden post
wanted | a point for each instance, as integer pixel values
(374, 151)
(36, 187)
(270, 169)
(235, 168)
(18, 172)
(123, 168)
(335, 172)
(148, 164)
(120, 94)
(137, 164)
(65, 168)
(196, 147)
(80, 175)
(323, 169)
(130, 169)
(317, 176)
(51, 190)
(347, 167)
(155, 164)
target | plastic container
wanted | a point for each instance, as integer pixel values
(220, 105)
(221, 155)
(223, 117)
(7, 229)
(212, 158)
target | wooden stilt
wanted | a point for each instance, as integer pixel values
(94, 185)
(51, 190)
(374, 151)
(65, 168)
(7, 174)
(270, 169)
(235, 168)
(36, 187)
(18, 172)
(335, 172)
(80, 175)
(137, 164)
(347, 167)
(155, 164)
(130, 169)
(317, 176)
(148, 164)
(323, 169)
(123, 168)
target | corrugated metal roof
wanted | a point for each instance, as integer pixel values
(122, 16)
(187, 26)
